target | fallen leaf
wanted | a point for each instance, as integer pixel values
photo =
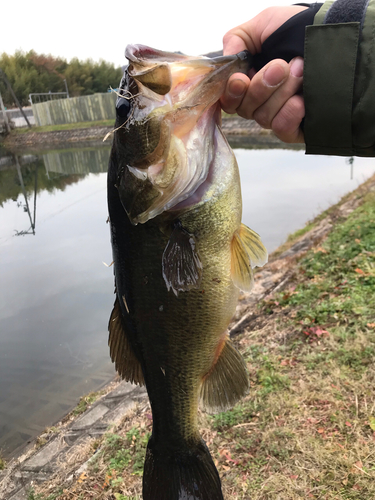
(82, 477)
(348, 424)
(224, 452)
(359, 271)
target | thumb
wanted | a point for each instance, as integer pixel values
(232, 44)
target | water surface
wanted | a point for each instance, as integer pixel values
(284, 189)
(56, 294)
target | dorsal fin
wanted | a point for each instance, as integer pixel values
(126, 362)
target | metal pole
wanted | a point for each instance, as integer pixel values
(35, 191)
(14, 96)
(66, 88)
(24, 191)
(7, 126)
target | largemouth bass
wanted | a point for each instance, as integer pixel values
(181, 255)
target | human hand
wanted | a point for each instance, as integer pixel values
(271, 96)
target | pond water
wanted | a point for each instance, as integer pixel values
(56, 293)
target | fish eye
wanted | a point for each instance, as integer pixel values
(122, 107)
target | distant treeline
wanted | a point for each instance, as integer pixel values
(29, 72)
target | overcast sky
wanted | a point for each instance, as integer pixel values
(101, 30)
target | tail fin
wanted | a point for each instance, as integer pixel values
(188, 474)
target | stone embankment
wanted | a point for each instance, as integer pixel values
(235, 127)
(48, 140)
(52, 450)
(61, 452)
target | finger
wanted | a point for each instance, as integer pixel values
(265, 114)
(235, 89)
(251, 34)
(235, 41)
(263, 85)
(286, 124)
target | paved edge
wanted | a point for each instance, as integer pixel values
(37, 465)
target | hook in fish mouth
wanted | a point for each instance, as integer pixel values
(244, 55)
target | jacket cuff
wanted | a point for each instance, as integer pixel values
(287, 41)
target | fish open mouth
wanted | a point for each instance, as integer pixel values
(178, 95)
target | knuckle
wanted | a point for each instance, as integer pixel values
(289, 117)
(229, 109)
(262, 118)
(228, 35)
(244, 112)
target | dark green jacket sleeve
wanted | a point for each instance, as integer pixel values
(339, 79)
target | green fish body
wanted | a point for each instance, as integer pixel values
(180, 257)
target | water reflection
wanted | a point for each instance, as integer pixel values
(82, 162)
(26, 207)
(23, 177)
(55, 293)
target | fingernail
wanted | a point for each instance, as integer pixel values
(296, 67)
(236, 88)
(274, 75)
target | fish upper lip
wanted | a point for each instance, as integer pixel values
(142, 54)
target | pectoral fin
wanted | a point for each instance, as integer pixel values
(248, 251)
(181, 265)
(226, 382)
(126, 363)
(242, 273)
(254, 247)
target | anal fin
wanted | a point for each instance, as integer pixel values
(248, 251)
(227, 381)
(126, 362)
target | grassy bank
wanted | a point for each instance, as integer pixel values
(307, 428)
